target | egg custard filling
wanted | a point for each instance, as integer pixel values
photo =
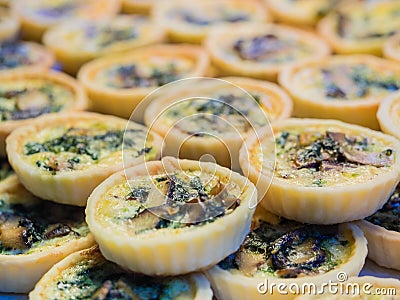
(223, 113)
(30, 225)
(157, 72)
(316, 158)
(347, 81)
(132, 206)
(388, 215)
(287, 249)
(270, 48)
(68, 148)
(30, 98)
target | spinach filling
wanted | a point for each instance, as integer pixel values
(187, 202)
(194, 19)
(288, 250)
(57, 11)
(25, 227)
(13, 55)
(257, 47)
(330, 151)
(101, 279)
(130, 76)
(106, 36)
(92, 144)
(26, 103)
(362, 78)
(389, 215)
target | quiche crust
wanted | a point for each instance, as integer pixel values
(273, 104)
(229, 284)
(107, 37)
(61, 182)
(21, 272)
(294, 44)
(318, 203)
(172, 251)
(190, 23)
(389, 115)
(41, 291)
(336, 103)
(78, 101)
(121, 101)
(9, 25)
(36, 16)
(138, 6)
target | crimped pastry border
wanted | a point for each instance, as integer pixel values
(386, 115)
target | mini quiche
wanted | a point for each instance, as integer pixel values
(362, 288)
(325, 171)
(172, 216)
(190, 22)
(9, 25)
(36, 16)
(391, 48)
(24, 56)
(382, 230)
(348, 88)
(300, 12)
(88, 275)
(214, 117)
(25, 95)
(34, 235)
(62, 158)
(116, 85)
(279, 251)
(77, 42)
(389, 115)
(261, 50)
(360, 27)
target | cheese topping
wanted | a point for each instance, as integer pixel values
(30, 98)
(96, 278)
(270, 48)
(73, 148)
(318, 158)
(222, 112)
(389, 215)
(153, 72)
(27, 227)
(167, 202)
(346, 81)
(287, 249)
(374, 21)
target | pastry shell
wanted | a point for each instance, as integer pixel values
(71, 187)
(389, 115)
(319, 205)
(175, 251)
(122, 102)
(391, 48)
(229, 286)
(138, 6)
(181, 31)
(78, 103)
(220, 41)
(9, 25)
(64, 38)
(21, 272)
(309, 103)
